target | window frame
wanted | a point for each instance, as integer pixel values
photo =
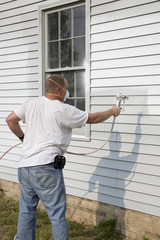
(43, 71)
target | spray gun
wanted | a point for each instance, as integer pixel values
(120, 99)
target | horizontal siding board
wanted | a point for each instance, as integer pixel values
(139, 100)
(15, 151)
(20, 93)
(115, 160)
(13, 100)
(146, 110)
(9, 177)
(129, 204)
(149, 39)
(19, 26)
(19, 41)
(125, 33)
(119, 193)
(20, 78)
(10, 13)
(19, 56)
(130, 91)
(19, 64)
(125, 137)
(99, 139)
(19, 49)
(8, 135)
(126, 81)
(99, 182)
(123, 24)
(17, 4)
(5, 1)
(19, 34)
(128, 52)
(8, 142)
(116, 183)
(106, 16)
(19, 18)
(7, 170)
(126, 71)
(98, 7)
(94, 2)
(19, 86)
(19, 71)
(111, 160)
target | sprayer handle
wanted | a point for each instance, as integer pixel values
(118, 102)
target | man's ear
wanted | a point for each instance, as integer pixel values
(58, 89)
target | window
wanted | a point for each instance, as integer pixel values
(65, 49)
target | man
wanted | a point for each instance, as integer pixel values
(49, 123)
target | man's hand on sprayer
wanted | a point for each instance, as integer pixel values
(116, 111)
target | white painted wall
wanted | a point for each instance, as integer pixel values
(125, 58)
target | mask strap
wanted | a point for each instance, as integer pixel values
(56, 84)
(56, 95)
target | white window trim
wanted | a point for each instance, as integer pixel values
(41, 15)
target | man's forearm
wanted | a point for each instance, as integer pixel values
(99, 117)
(13, 123)
(16, 129)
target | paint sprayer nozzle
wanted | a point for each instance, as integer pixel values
(121, 98)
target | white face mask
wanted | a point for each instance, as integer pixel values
(66, 96)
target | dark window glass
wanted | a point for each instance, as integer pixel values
(70, 78)
(80, 104)
(70, 101)
(79, 51)
(80, 84)
(53, 54)
(53, 26)
(79, 21)
(66, 53)
(66, 23)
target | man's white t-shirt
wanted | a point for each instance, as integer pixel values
(48, 129)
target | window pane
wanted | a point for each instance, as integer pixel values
(66, 23)
(79, 21)
(53, 26)
(80, 84)
(66, 53)
(81, 104)
(70, 78)
(79, 51)
(53, 55)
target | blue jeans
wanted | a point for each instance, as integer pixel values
(47, 184)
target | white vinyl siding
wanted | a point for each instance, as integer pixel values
(19, 78)
(124, 58)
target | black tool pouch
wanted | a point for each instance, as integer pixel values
(59, 162)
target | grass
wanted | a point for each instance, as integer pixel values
(106, 230)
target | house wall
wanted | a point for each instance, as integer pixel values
(124, 58)
(125, 54)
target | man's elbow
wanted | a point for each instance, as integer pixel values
(92, 118)
(11, 119)
(8, 120)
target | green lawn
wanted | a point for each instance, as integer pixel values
(9, 216)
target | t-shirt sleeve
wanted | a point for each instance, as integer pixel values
(20, 112)
(75, 118)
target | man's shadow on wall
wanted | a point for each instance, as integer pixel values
(118, 175)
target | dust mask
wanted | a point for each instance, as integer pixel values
(66, 96)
